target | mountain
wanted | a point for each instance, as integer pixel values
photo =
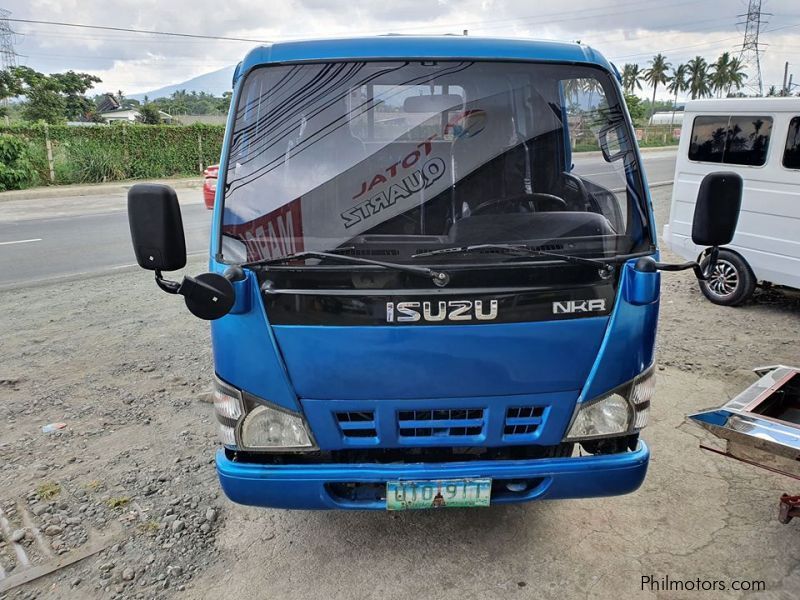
(215, 83)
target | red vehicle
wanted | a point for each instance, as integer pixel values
(210, 185)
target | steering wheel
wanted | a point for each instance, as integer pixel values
(516, 201)
(576, 184)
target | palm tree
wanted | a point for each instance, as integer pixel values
(657, 73)
(677, 84)
(572, 90)
(631, 78)
(697, 78)
(736, 75)
(591, 86)
(720, 74)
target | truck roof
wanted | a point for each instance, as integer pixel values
(444, 47)
(726, 105)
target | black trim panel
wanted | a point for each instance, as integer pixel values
(451, 306)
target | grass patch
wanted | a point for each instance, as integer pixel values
(48, 490)
(93, 485)
(118, 502)
(150, 526)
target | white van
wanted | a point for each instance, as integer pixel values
(758, 138)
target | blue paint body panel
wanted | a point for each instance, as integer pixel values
(557, 409)
(320, 371)
(426, 47)
(440, 361)
(308, 486)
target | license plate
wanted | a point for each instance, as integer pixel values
(446, 493)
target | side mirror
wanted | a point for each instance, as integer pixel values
(208, 296)
(154, 216)
(611, 140)
(716, 212)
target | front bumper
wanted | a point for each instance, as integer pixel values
(309, 486)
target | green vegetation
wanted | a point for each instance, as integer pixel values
(50, 98)
(16, 167)
(150, 114)
(118, 151)
(193, 103)
(724, 77)
(657, 74)
(118, 502)
(48, 490)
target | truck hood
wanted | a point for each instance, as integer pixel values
(439, 361)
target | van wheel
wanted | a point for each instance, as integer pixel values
(732, 281)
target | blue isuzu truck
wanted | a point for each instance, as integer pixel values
(433, 276)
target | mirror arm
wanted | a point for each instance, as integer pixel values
(171, 287)
(698, 270)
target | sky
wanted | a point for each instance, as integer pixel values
(623, 30)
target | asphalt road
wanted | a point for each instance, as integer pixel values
(62, 241)
(48, 238)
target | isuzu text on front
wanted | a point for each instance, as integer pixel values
(424, 292)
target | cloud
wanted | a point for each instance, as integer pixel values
(624, 30)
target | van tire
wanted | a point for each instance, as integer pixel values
(731, 283)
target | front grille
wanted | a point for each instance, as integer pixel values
(357, 424)
(440, 423)
(522, 420)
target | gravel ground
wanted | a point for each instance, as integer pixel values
(127, 369)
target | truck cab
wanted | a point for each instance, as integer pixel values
(433, 276)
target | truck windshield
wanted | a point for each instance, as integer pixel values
(389, 160)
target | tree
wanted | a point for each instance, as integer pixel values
(149, 114)
(225, 104)
(657, 74)
(591, 86)
(736, 75)
(50, 98)
(635, 107)
(720, 74)
(677, 84)
(697, 77)
(631, 78)
(772, 91)
(44, 104)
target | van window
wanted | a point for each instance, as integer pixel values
(733, 140)
(791, 155)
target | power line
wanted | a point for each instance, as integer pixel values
(710, 43)
(557, 17)
(145, 31)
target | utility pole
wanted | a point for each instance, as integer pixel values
(785, 89)
(8, 57)
(751, 48)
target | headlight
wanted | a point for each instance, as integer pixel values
(603, 417)
(269, 428)
(642, 390)
(624, 410)
(248, 423)
(228, 409)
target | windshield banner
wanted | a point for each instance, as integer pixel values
(367, 189)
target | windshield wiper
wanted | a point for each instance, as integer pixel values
(521, 250)
(440, 278)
